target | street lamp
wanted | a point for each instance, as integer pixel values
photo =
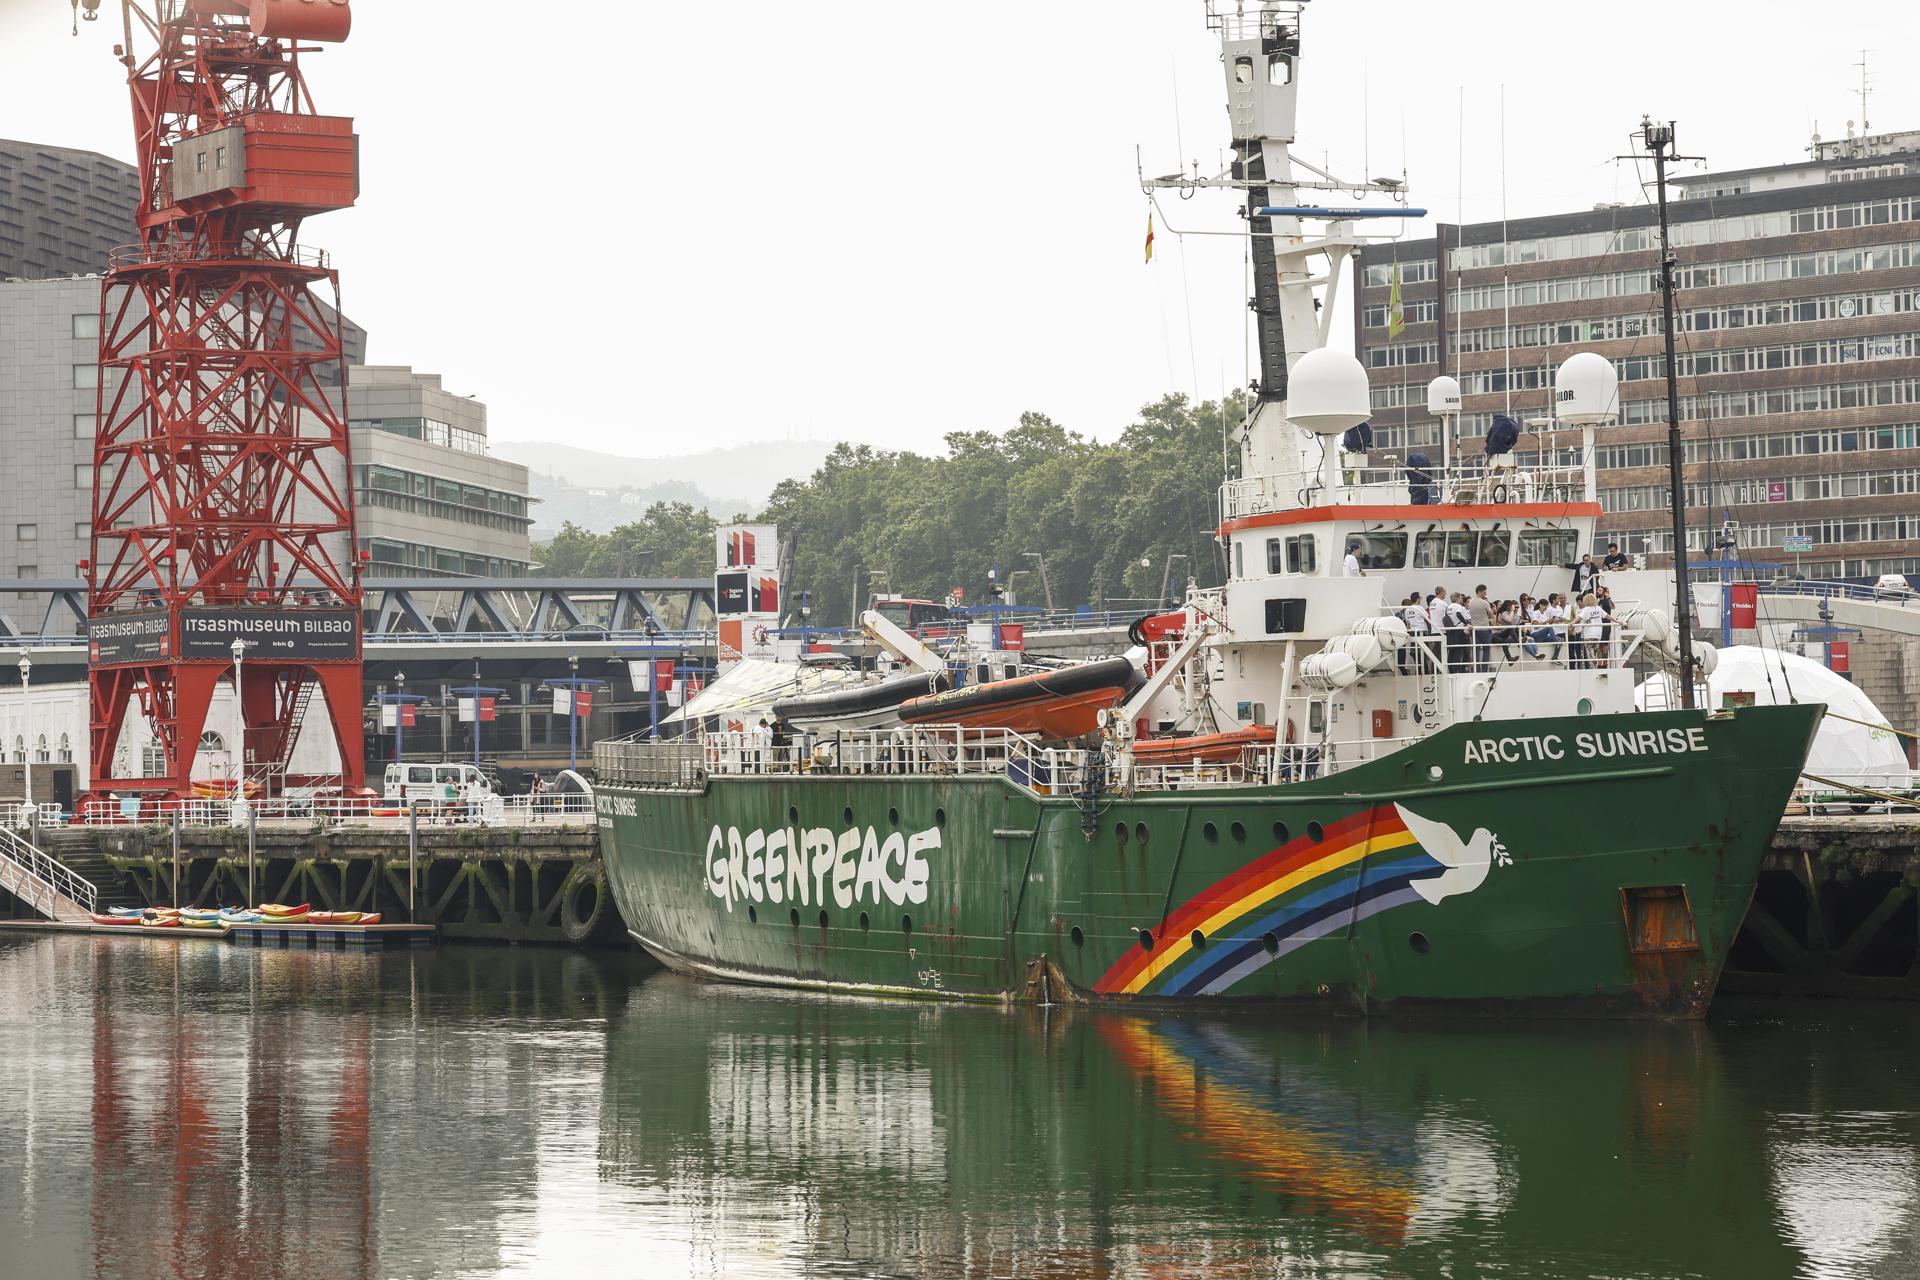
(400, 717)
(29, 812)
(238, 756)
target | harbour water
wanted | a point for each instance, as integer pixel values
(200, 1110)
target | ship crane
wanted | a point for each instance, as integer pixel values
(223, 543)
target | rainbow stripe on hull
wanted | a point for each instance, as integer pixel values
(1314, 885)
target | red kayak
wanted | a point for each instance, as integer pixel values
(1203, 748)
(118, 922)
(274, 912)
(161, 922)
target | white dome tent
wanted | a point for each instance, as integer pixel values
(1846, 750)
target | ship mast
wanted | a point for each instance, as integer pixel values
(1658, 140)
(1260, 51)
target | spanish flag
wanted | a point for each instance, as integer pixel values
(1149, 235)
(1396, 309)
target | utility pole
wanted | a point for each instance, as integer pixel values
(1658, 140)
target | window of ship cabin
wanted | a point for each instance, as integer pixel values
(1381, 550)
(1541, 547)
(1300, 554)
(1243, 70)
(1279, 69)
(1239, 559)
(1445, 550)
(1495, 549)
(1275, 564)
(1316, 716)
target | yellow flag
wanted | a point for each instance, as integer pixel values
(1396, 309)
(1149, 235)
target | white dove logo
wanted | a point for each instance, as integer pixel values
(1466, 862)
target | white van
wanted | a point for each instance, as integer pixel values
(436, 784)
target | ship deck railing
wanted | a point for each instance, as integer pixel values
(1397, 485)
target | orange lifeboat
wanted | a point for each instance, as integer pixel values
(1204, 748)
(1051, 705)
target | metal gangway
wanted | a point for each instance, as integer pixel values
(42, 883)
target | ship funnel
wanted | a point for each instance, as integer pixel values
(1587, 390)
(1327, 392)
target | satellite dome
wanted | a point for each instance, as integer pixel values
(1327, 392)
(1587, 390)
(1443, 395)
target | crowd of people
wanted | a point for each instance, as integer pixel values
(1459, 632)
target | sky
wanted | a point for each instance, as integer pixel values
(654, 228)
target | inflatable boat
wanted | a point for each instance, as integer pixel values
(860, 706)
(1203, 748)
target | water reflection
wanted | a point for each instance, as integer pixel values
(195, 1110)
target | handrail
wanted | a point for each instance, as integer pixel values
(46, 881)
(560, 809)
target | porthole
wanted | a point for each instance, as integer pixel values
(1079, 938)
(793, 817)
(1584, 707)
(1419, 943)
(1140, 832)
(865, 924)
(1120, 833)
(1211, 832)
(1146, 939)
(847, 815)
(753, 916)
(793, 915)
(1239, 833)
(939, 817)
(1199, 940)
(1280, 833)
(823, 919)
(1271, 943)
(906, 925)
(893, 817)
(1315, 832)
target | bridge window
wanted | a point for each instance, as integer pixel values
(1300, 554)
(1494, 549)
(1381, 550)
(1544, 547)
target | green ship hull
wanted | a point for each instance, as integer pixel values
(1587, 865)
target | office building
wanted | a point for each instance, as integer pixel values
(1797, 335)
(430, 500)
(62, 211)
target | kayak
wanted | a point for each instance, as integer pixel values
(1203, 748)
(1051, 705)
(117, 919)
(198, 915)
(161, 922)
(335, 917)
(374, 918)
(275, 911)
(232, 916)
(199, 922)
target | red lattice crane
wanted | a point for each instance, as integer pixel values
(222, 501)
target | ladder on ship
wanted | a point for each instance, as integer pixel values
(42, 883)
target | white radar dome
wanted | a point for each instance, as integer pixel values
(1586, 390)
(1327, 392)
(1443, 396)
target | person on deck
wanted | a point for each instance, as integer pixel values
(1459, 634)
(1351, 567)
(1590, 626)
(1480, 613)
(1437, 620)
(1414, 614)
(1585, 575)
(1615, 560)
